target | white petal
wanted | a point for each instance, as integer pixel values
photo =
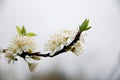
(32, 66)
(19, 51)
(25, 48)
(52, 53)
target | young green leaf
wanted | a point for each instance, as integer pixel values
(85, 23)
(23, 31)
(18, 30)
(84, 26)
(87, 28)
(30, 34)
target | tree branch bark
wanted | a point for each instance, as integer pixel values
(77, 37)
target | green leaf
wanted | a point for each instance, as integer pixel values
(87, 28)
(18, 30)
(85, 23)
(84, 26)
(23, 31)
(30, 34)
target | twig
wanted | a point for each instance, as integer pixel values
(65, 48)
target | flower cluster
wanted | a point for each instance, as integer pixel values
(64, 38)
(20, 44)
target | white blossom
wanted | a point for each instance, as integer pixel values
(58, 41)
(10, 56)
(21, 44)
(70, 35)
(55, 43)
(77, 48)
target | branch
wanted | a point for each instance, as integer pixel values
(83, 27)
(65, 48)
(11, 54)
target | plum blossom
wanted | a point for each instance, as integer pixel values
(77, 48)
(64, 38)
(18, 45)
(21, 44)
(55, 43)
(70, 35)
(10, 56)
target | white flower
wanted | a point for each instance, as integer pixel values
(10, 56)
(58, 41)
(70, 35)
(21, 44)
(55, 43)
(25, 48)
(66, 33)
(77, 48)
(19, 51)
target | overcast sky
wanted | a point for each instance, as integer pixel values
(45, 17)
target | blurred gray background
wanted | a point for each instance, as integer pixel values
(101, 57)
